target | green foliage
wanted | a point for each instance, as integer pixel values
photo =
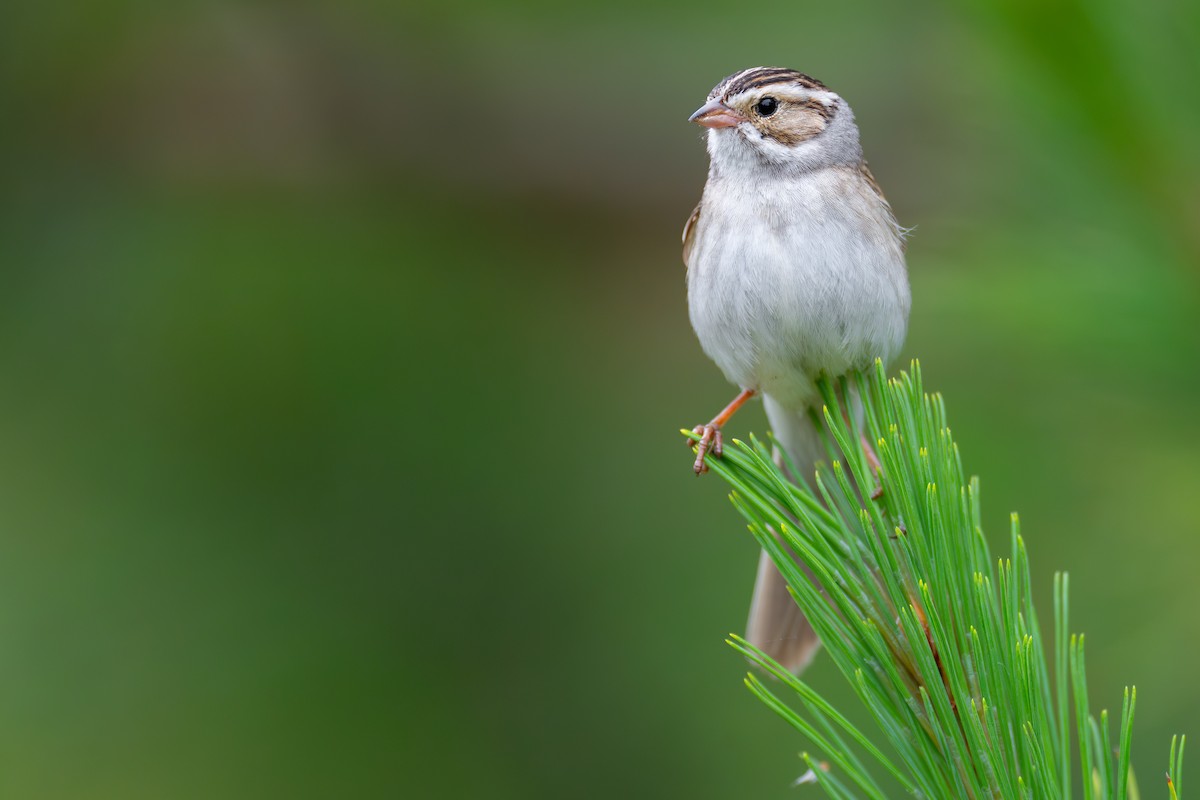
(940, 643)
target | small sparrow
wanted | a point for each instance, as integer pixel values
(795, 269)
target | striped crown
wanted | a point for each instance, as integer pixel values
(758, 77)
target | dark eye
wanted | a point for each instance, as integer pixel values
(766, 107)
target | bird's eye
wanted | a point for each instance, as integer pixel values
(766, 107)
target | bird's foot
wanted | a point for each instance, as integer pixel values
(710, 434)
(710, 442)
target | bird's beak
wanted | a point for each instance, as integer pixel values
(715, 114)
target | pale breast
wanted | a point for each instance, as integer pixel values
(791, 278)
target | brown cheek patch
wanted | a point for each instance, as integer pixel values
(796, 122)
(817, 107)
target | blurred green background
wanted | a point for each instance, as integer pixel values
(343, 350)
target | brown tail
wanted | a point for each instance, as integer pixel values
(776, 625)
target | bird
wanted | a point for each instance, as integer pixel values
(795, 270)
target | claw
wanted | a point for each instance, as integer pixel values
(710, 434)
(710, 441)
(876, 467)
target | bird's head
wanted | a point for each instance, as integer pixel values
(778, 118)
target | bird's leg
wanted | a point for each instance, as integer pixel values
(876, 467)
(869, 452)
(710, 434)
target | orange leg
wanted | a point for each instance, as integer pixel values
(710, 434)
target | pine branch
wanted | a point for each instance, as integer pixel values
(939, 642)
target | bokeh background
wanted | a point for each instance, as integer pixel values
(343, 349)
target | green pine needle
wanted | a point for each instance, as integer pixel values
(940, 643)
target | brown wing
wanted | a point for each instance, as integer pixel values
(689, 233)
(866, 173)
(875, 187)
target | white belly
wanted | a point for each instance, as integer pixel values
(792, 279)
